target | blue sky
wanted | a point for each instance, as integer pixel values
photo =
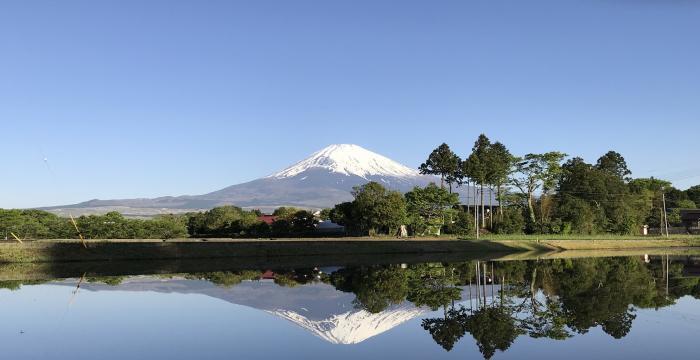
(148, 98)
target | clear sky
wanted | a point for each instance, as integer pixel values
(149, 98)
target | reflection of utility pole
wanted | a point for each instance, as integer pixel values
(478, 286)
(484, 290)
(668, 263)
(471, 307)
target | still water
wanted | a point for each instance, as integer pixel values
(605, 308)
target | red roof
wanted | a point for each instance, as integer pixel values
(267, 219)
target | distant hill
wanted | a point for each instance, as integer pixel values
(322, 180)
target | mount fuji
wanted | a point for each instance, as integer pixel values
(320, 309)
(322, 180)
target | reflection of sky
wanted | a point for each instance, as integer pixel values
(131, 325)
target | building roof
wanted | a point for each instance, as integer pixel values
(267, 219)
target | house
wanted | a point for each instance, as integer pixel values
(690, 217)
(328, 227)
(267, 219)
(268, 275)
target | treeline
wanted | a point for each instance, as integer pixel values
(547, 193)
(423, 211)
(224, 221)
(37, 224)
(231, 221)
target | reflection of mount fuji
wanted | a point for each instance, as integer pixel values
(318, 308)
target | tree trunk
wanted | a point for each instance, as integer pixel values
(533, 279)
(531, 208)
(491, 207)
(476, 213)
(483, 208)
(500, 202)
(543, 198)
(442, 181)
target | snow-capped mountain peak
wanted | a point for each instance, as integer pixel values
(354, 326)
(348, 159)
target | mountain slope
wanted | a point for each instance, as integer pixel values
(322, 180)
(349, 160)
(318, 308)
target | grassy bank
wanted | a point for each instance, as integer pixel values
(46, 271)
(116, 250)
(589, 237)
(178, 249)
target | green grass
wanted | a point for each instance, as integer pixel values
(586, 237)
(112, 250)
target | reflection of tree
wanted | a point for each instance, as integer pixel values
(448, 330)
(226, 279)
(375, 288)
(17, 284)
(558, 298)
(545, 320)
(432, 287)
(108, 280)
(599, 292)
(619, 325)
(493, 328)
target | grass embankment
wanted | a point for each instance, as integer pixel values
(488, 247)
(116, 250)
(49, 259)
(598, 242)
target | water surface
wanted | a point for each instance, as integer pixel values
(611, 308)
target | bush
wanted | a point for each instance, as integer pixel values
(513, 222)
(462, 223)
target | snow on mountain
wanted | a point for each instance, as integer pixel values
(319, 308)
(348, 159)
(353, 327)
(322, 310)
(324, 179)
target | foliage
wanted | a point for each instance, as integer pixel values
(462, 223)
(227, 279)
(375, 287)
(375, 210)
(493, 329)
(34, 224)
(512, 222)
(302, 222)
(429, 209)
(224, 221)
(694, 194)
(536, 172)
(614, 164)
(445, 163)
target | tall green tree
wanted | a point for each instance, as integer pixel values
(535, 172)
(478, 168)
(648, 195)
(613, 163)
(500, 165)
(303, 222)
(443, 162)
(428, 208)
(375, 210)
(694, 194)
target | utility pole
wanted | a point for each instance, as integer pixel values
(665, 218)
